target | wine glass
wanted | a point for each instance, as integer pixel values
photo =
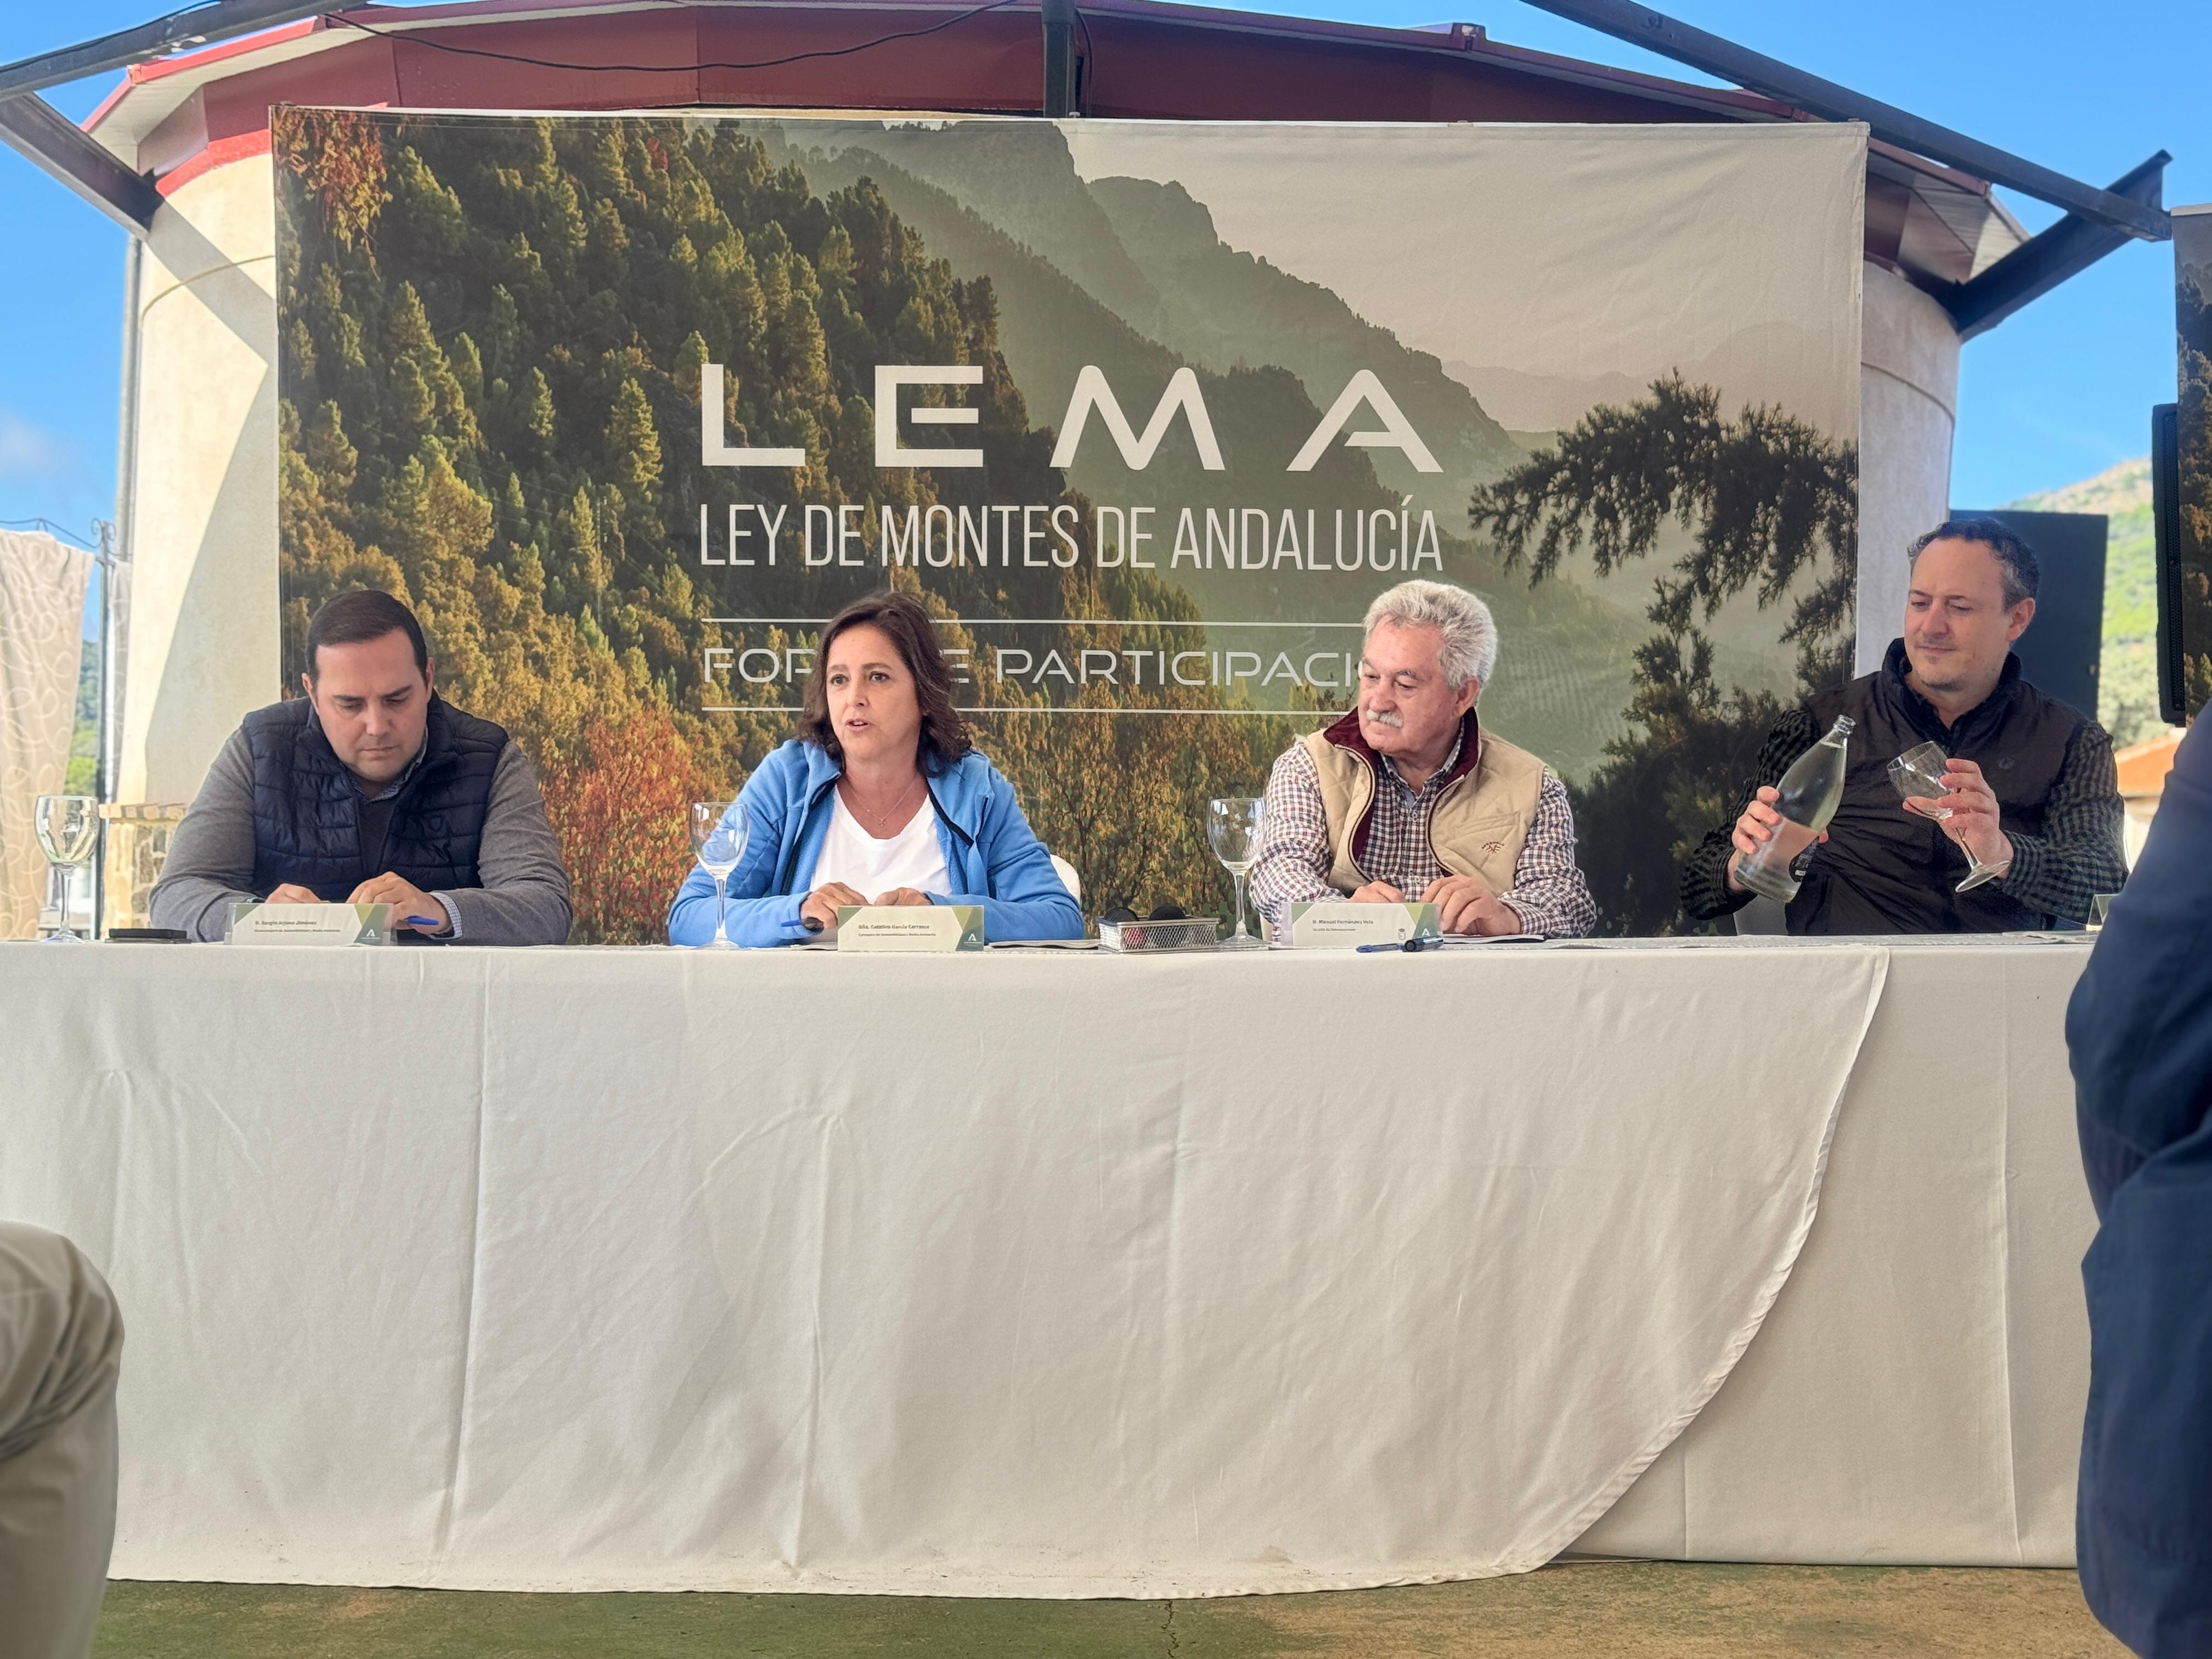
(1917, 775)
(68, 828)
(718, 837)
(1233, 827)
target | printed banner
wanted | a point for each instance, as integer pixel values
(627, 406)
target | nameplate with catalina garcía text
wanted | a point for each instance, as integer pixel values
(909, 927)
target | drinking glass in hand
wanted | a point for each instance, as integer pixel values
(1919, 778)
(68, 828)
(1232, 829)
(718, 837)
(1918, 774)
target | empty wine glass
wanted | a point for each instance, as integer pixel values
(68, 828)
(1919, 776)
(1233, 827)
(718, 837)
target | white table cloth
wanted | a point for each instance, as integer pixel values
(1056, 1274)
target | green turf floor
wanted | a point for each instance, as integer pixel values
(1662, 1610)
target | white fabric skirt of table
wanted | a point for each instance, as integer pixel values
(1056, 1274)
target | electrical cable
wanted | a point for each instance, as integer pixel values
(99, 40)
(424, 39)
(60, 531)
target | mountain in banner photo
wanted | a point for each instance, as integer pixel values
(1149, 254)
(1566, 666)
(1223, 307)
(1018, 178)
(1050, 327)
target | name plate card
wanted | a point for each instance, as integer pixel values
(260, 923)
(1340, 924)
(892, 927)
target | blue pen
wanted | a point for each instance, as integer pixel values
(430, 922)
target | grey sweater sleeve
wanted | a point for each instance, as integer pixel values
(210, 862)
(525, 897)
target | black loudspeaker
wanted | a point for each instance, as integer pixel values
(2063, 648)
(2166, 524)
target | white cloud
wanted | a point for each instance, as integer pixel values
(31, 454)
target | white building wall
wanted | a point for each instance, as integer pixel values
(1908, 407)
(203, 532)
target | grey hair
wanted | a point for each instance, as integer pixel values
(1470, 636)
(2016, 565)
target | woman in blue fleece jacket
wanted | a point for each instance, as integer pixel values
(881, 799)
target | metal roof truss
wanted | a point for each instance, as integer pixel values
(54, 143)
(2096, 221)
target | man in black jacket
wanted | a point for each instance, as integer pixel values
(2032, 784)
(371, 789)
(2139, 1031)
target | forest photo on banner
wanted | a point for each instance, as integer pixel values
(625, 406)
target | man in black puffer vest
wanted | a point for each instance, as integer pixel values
(2032, 784)
(370, 789)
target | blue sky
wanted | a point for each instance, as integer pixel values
(2060, 391)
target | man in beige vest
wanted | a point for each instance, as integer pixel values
(1407, 798)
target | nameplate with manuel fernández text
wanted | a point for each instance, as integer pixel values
(1340, 924)
(909, 927)
(256, 923)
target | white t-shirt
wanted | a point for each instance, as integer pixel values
(912, 858)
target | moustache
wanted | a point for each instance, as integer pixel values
(1390, 718)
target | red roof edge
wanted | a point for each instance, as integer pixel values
(1456, 42)
(220, 154)
(139, 74)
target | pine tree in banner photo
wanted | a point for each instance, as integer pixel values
(1773, 505)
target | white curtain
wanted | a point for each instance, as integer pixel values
(42, 584)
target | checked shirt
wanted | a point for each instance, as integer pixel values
(1548, 893)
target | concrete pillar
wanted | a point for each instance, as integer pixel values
(203, 531)
(1908, 408)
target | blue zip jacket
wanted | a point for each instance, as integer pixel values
(2140, 1029)
(992, 857)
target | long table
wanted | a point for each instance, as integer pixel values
(1056, 1274)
